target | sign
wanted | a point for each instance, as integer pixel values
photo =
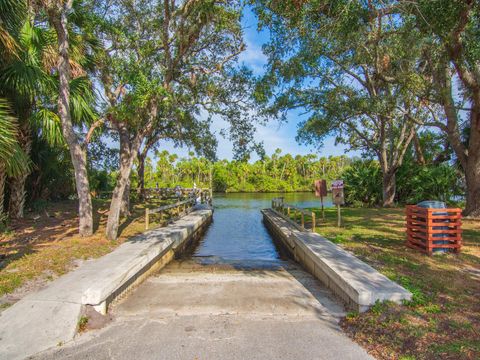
(337, 192)
(320, 188)
(337, 184)
(338, 197)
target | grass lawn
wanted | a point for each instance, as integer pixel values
(443, 319)
(35, 250)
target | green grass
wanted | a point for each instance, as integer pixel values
(443, 318)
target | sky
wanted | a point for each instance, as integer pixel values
(275, 134)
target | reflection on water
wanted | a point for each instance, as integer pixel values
(237, 232)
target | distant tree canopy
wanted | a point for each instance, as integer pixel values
(278, 172)
(286, 173)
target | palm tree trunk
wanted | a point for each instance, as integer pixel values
(3, 177)
(58, 18)
(18, 194)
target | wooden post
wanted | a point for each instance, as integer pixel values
(210, 181)
(288, 211)
(303, 219)
(313, 222)
(339, 216)
(147, 218)
(323, 211)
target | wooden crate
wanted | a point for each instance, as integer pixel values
(423, 229)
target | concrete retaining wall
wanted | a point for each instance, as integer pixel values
(357, 284)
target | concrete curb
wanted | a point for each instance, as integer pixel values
(355, 282)
(50, 317)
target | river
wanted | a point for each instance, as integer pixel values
(237, 232)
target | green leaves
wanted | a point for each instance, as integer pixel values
(12, 157)
(48, 124)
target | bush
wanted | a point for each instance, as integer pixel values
(415, 183)
(363, 183)
(431, 182)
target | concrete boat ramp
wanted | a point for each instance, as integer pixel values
(246, 310)
(200, 308)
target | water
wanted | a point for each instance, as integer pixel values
(237, 231)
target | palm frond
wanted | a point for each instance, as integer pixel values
(12, 13)
(49, 126)
(8, 131)
(11, 154)
(8, 43)
(82, 100)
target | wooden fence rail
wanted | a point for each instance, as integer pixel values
(202, 196)
(295, 213)
(178, 208)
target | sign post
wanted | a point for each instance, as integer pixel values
(321, 191)
(338, 198)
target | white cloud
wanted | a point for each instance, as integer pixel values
(253, 57)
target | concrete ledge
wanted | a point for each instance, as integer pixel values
(50, 317)
(356, 283)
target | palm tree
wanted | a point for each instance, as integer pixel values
(29, 82)
(59, 13)
(11, 162)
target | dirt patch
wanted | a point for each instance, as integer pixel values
(35, 250)
(93, 320)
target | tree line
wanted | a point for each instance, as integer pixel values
(276, 173)
(432, 178)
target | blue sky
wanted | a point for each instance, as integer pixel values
(274, 135)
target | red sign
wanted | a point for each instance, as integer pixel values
(320, 188)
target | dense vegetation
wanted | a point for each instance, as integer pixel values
(77, 74)
(270, 174)
(285, 173)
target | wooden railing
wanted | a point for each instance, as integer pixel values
(174, 210)
(298, 215)
(202, 196)
(172, 193)
(161, 194)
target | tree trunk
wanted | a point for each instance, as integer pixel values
(77, 152)
(472, 178)
(418, 150)
(117, 199)
(125, 208)
(3, 177)
(389, 188)
(472, 168)
(18, 194)
(141, 176)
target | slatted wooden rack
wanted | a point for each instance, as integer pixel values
(430, 229)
